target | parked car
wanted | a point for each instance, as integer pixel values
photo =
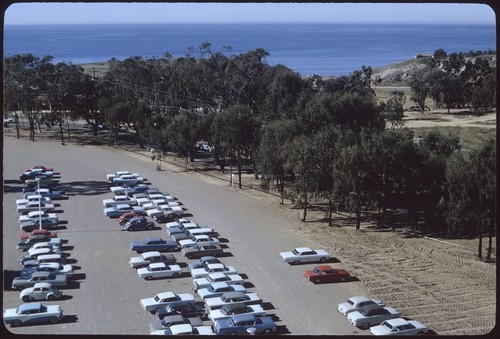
(185, 329)
(34, 254)
(326, 273)
(203, 261)
(30, 225)
(355, 303)
(40, 291)
(304, 254)
(231, 298)
(33, 198)
(159, 270)
(153, 244)
(212, 268)
(129, 190)
(139, 223)
(57, 280)
(54, 244)
(199, 251)
(32, 174)
(188, 233)
(35, 206)
(42, 179)
(119, 210)
(217, 289)
(45, 258)
(126, 217)
(165, 217)
(128, 179)
(118, 174)
(371, 315)
(35, 215)
(164, 298)
(44, 192)
(29, 241)
(41, 232)
(185, 309)
(118, 200)
(41, 168)
(230, 279)
(32, 313)
(399, 326)
(240, 323)
(201, 240)
(53, 267)
(147, 258)
(165, 210)
(181, 229)
(172, 320)
(229, 310)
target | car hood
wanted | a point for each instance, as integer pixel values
(379, 330)
(355, 316)
(309, 274)
(10, 312)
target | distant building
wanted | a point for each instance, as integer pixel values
(423, 56)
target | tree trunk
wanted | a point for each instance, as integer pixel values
(330, 212)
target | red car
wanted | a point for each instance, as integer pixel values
(126, 217)
(39, 231)
(326, 273)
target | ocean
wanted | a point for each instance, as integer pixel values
(325, 49)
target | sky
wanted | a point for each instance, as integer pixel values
(116, 13)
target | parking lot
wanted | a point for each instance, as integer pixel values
(104, 298)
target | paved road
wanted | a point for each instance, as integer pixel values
(105, 298)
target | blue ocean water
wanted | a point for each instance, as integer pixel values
(326, 49)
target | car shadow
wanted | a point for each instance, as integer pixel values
(66, 319)
(268, 306)
(225, 255)
(85, 187)
(282, 329)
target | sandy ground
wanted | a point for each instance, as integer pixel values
(439, 282)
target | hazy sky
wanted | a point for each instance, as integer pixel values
(76, 13)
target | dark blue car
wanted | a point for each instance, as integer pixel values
(239, 324)
(138, 223)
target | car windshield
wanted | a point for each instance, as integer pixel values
(295, 252)
(386, 324)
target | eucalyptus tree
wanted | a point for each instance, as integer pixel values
(393, 109)
(472, 194)
(421, 81)
(274, 136)
(183, 133)
(232, 132)
(26, 80)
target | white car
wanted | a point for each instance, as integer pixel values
(54, 244)
(372, 315)
(232, 297)
(35, 215)
(118, 174)
(40, 291)
(163, 299)
(179, 222)
(228, 310)
(35, 206)
(399, 326)
(165, 209)
(305, 254)
(217, 289)
(355, 303)
(119, 199)
(201, 240)
(147, 258)
(157, 203)
(32, 313)
(185, 329)
(230, 279)
(159, 270)
(33, 198)
(52, 267)
(128, 179)
(212, 268)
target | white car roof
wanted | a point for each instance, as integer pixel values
(157, 264)
(146, 255)
(120, 206)
(217, 265)
(42, 285)
(303, 249)
(396, 321)
(359, 298)
(216, 275)
(49, 264)
(35, 213)
(181, 329)
(219, 284)
(163, 295)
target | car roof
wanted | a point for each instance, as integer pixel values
(359, 298)
(42, 274)
(166, 295)
(243, 317)
(371, 307)
(42, 285)
(233, 294)
(397, 321)
(219, 284)
(234, 306)
(151, 254)
(175, 317)
(30, 306)
(324, 267)
(303, 249)
(215, 265)
(135, 219)
(122, 206)
(49, 264)
(181, 329)
(157, 264)
(152, 238)
(216, 275)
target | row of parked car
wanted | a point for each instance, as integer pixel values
(43, 262)
(219, 288)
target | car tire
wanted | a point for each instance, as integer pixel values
(322, 260)
(53, 320)
(317, 281)
(148, 277)
(296, 262)
(26, 298)
(268, 331)
(16, 323)
(365, 326)
(175, 275)
(50, 297)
